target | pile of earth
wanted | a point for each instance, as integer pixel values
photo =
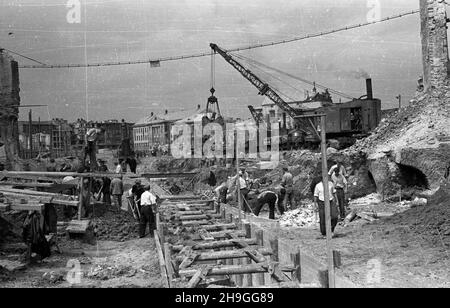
(116, 226)
(430, 222)
(418, 125)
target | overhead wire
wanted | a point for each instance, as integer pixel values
(204, 54)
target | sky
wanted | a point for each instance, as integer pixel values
(127, 30)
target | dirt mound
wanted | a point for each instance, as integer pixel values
(116, 226)
(430, 222)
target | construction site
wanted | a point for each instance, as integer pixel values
(332, 190)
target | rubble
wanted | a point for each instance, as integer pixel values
(302, 217)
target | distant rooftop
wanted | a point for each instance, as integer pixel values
(170, 116)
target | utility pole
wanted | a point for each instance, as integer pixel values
(326, 191)
(30, 133)
(399, 97)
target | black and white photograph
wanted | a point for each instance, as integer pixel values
(226, 151)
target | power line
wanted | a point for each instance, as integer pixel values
(20, 55)
(205, 54)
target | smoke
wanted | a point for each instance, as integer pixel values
(348, 74)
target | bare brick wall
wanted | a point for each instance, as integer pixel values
(434, 43)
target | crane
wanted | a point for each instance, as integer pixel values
(306, 126)
(257, 115)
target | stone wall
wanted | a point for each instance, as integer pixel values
(434, 43)
(9, 112)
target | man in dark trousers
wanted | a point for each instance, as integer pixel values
(319, 200)
(148, 210)
(288, 184)
(340, 183)
(116, 189)
(270, 198)
(137, 190)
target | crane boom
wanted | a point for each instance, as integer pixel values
(264, 88)
(257, 116)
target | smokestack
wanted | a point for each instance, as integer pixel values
(369, 88)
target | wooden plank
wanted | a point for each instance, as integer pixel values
(167, 259)
(220, 227)
(58, 174)
(162, 263)
(215, 245)
(199, 276)
(224, 255)
(195, 223)
(236, 270)
(27, 207)
(5, 207)
(41, 199)
(78, 226)
(193, 217)
(33, 185)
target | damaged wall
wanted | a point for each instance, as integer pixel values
(434, 43)
(9, 112)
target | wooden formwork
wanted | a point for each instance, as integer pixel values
(201, 245)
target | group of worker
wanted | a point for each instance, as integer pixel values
(283, 197)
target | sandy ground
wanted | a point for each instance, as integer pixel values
(382, 253)
(104, 265)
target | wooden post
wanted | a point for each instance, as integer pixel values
(223, 213)
(167, 258)
(323, 279)
(327, 201)
(260, 239)
(274, 257)
(337, 259)
(230, 218)
(30, 133)
(239, 278)
(81, 201)
(296, 259)
(238, 181)
(248, 230)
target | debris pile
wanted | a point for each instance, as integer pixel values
(302, 217)
(106, 272)
(116, 226)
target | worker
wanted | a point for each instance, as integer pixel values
(221, 193)
(51, 166)
(340, 183)
(118, 168)
(319, 201)
(148, 210)
(102, 166)
(116, 189)
(106, 190)
(137, 191)
(212, 179)
(341, 169)
(91, 145)
(288, 184)
(243, 188)
(271, 199)
(123, 165)
(132, 163)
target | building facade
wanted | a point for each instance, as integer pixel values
(154, 131)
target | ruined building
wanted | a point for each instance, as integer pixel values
(9, 111)
(412, 148)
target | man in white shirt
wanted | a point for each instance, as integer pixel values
(340, 182)
(319, 200)
(243, 187)
(148, 209)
